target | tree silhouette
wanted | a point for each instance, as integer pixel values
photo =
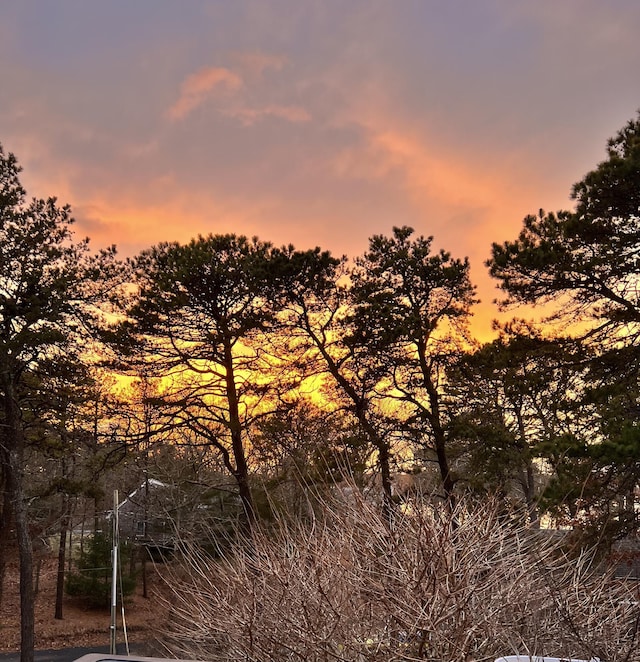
(410, 309)
(199, 320)
(48, 287)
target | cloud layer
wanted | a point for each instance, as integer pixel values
(314, 123)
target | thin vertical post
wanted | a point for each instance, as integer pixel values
(114, 576)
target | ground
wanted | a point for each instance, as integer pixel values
(145, 618)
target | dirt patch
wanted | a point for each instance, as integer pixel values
(146, 618)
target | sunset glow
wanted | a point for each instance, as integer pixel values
(315, 123)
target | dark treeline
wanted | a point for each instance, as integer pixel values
(253, 371)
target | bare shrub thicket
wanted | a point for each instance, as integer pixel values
(466, 585)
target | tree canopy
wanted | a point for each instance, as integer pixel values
(49, 286)
(410, 308)
(585, 263)
(586, 260)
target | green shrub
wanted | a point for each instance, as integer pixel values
(92, 579)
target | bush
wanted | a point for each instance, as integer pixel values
(92, 580)
(437, 585)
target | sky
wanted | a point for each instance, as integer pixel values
(316, 123)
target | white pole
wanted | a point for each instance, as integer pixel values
(114, 577)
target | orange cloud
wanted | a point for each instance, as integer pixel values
(249, 116)
(425, 171)
(137, 218)
(465, 199)
(199, 86)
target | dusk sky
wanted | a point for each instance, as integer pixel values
(314, 123)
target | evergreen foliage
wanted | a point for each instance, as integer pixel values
(587, 260)
(91, 580)
(50, 286)
(587, 263)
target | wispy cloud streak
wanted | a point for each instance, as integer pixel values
(199, 87)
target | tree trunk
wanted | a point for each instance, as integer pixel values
(36, 578)
(532, 504)
(384, 457)
(435, 421)
(25, 551)
(360, 409)
(235, 425)
(143, 554)
(384, 460)
(143, 549)
(14, 477)
(440, 442)
(5, 524)
(64, 528)
(527, 477)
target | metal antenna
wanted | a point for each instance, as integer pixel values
(114, 576)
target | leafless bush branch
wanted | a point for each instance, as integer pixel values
(436, 586)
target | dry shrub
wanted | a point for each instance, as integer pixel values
(436, 585)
